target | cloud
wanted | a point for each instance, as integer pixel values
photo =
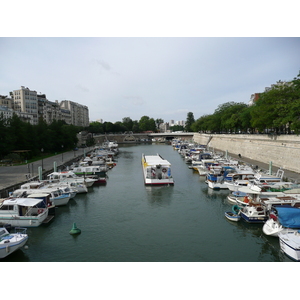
(103, 64)
(135, 100)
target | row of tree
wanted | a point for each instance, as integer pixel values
(128, 125)
(277, 110)
(19, 138)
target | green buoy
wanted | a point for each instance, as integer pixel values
(75, 230)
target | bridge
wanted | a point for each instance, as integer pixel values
(127, 138)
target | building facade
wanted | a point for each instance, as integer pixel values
(30, 106)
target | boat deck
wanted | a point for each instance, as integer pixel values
(48, 219)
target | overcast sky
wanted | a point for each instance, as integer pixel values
(161, 59)
(158, 77)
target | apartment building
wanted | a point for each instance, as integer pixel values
(25, 100)
(79, 113)
(32, 106)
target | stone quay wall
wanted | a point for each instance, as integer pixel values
(282, 150)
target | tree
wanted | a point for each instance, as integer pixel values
(189, 121)
(147, 124)
(128, 123)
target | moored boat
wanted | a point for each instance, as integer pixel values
(232, 216)
(70, 177)
(289, 242)
(23, 212)
(10, 242)
(156, 170)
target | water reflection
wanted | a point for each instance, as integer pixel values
(161, 195)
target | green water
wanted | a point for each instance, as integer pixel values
(124, 221)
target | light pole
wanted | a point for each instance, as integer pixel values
(62, 154)
(42, 150)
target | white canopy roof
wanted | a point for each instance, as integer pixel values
(22, 201)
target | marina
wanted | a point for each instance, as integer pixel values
(125, 220)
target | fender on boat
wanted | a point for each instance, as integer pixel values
(236, 209)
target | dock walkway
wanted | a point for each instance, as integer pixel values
(12, 176)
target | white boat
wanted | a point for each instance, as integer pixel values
(23, 212)
(236, 184)
(57, 196)
(204, 166)
(10, 242)
(282, 218)
(232, 216)
(254, 213)
(70, 177)
(156, 170)
(290, 243)
(272, 227)
(263, 178)
(66, 188)
(217, 177)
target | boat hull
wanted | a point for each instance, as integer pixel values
(23, 221)
(290, 244)
(272, 228)
(10, 247)
(232, 217)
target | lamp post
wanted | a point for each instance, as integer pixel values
(42, 150)
(62, 154)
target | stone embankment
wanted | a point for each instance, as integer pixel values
(283, 151)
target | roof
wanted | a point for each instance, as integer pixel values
(22, 201)
(153, 160)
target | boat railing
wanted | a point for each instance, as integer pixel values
(20, 230)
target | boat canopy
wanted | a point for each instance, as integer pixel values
(153, 160)
(288, 216)
(22, 201)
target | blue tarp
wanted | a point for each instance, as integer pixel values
(288, 216)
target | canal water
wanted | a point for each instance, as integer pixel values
(125, 221)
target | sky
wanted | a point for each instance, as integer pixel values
(154, 71)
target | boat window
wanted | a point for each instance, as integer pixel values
(7, 207)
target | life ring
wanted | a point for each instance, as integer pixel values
(40, 211)
(164, 170)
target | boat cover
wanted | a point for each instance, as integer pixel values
(23, 201)
(288, 216)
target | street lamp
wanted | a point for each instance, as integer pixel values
(62, 154)
(42, 150)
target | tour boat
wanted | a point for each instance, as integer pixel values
(23, 212)
(156, 170)
(10, 242)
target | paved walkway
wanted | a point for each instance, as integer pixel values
(12, 175)
(288, 175)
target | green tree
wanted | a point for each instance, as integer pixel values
(146, 124)
(189, 121)
(128, 123)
